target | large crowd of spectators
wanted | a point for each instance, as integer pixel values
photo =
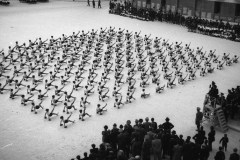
(216, 28)
(147, 140)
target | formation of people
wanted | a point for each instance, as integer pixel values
(216, 28)
(147, 138)
(71, 65)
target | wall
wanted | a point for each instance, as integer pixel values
(205, 8)
(156, 4)
(171, 5)
(227, 11)
(143, 4)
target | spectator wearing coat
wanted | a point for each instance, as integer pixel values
(136, 147)
(146, 149)
(177, 151)
(234, 155)
(157, 148)
(220, 155)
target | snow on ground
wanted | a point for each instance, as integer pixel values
(24, 135)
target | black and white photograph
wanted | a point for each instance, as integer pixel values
(119, 80)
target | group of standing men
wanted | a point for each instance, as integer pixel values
(93, 3)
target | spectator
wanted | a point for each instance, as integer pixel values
(187, 149)
(153, 124)
(85, 156)
(114, 136)
(220, 155)
(105, 135)
(93, 3)
(136, 147)
(150, 134)
(121, 155)
(157, 148)
(92, 155)
(172, 142)
(181, 140)
(167, 126)
(128, 127)
(177, 151)
(165, 143)
(94, 149)
(111, 156)
(224, 141)
(146, 149)
(211, 137)
(122, 141)
(136, 125)
(78, 157)
(198, 119)
(102, 152)
(99, 4)
(204, 153)
(146, 124)
(234, 155)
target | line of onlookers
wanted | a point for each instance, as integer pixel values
(146, 140)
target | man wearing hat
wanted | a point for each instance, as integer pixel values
(167, 126)
(220, 155)
(114, 136)
(146, 124)
(136, 125)
(199, 117)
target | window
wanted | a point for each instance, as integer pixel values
(163, 3)
(217, 7)
(237, 11)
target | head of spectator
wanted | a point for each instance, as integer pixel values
(235, 150)
(173, 132)
(121, 128)
(220, 148)
(85, 154)
(167, 119)
(105, 127)
(198, 109)
(128, 122)
(140, 121)
(146, 119)
(188, 139)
